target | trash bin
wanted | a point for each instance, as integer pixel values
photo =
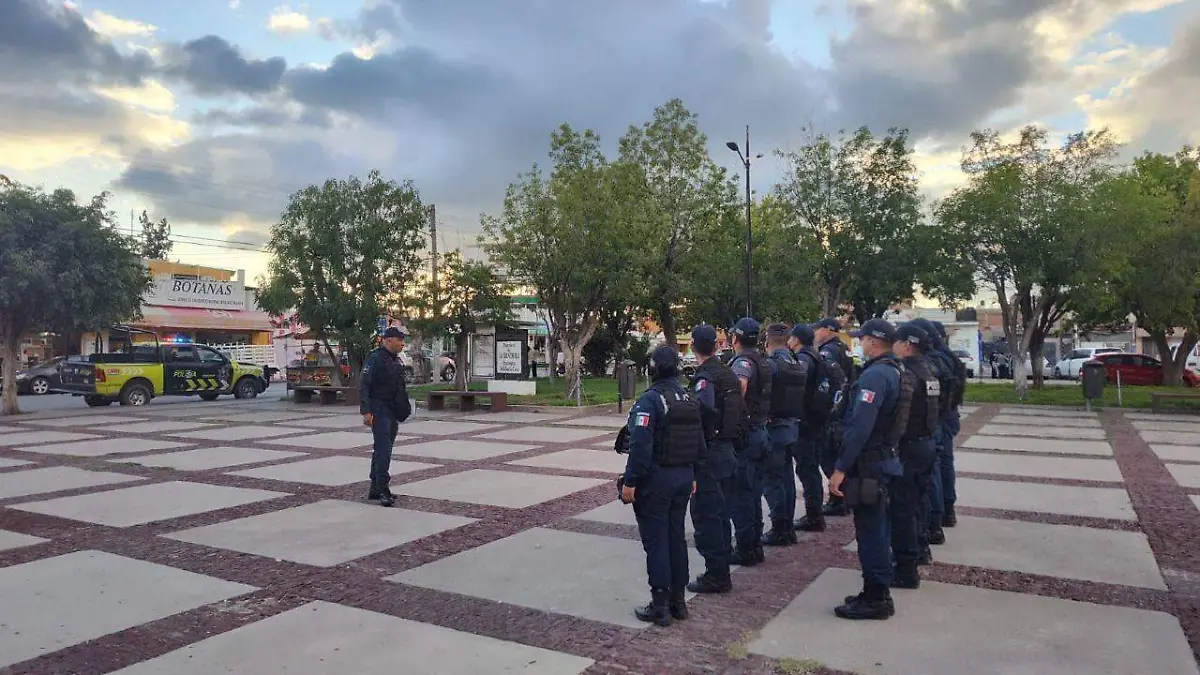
(627, 380)
(1094, 376)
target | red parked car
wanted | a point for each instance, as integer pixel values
(1139, 369)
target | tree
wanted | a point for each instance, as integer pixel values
(568, 236)
(468, 295)
(1028, 221)
(853, 203)
(337, 254)
(680, 190)
(156, 238)
(63, 267)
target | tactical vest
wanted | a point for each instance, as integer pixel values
(944, 373)
(820, 388)
(960, 380)
(923, 415)
(788, 387)
(725, 423)
(682, 431)
(842, 368)
(758, 393)
(890, 424)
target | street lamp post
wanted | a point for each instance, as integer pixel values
(732, 145)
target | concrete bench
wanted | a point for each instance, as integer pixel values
(304, 394)
(497, 399)
(1156, 398)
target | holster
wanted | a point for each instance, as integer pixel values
(859, 490)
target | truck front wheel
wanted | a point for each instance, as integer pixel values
(135, 394)
(245, 388)
(97, 401)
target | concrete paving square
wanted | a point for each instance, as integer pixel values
(331, 422)
(105, 446)
(1035, 466)
(1066, 551)
(544, 434)
(204, 459)
(332, 440)
(584, 575)
(443, 428)
(1042, 431)
(259, 417)
(510, 416)
(460, 450)
(6, 463)
(1169, 437)
(327, 638)
(979, 631)
(86, 420)
(1045, 420)
(330, 471)
(1047, 412)
(1177, 453)
(1067, 500)
(240, 433)
(57, 602)
(9, 430)
(34, 437)
(56, 479)
(147, 503)
(1187, 475)
(11, 540)
(1050, 445)
(613, 422)
(322, 534)
(1162, 425)
(161, 427)
(497, 488)
(617, 513)
(578, 459)
(1195, 500)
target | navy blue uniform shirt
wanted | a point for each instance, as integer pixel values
(647, 418)
(876, 391)
(383, 375)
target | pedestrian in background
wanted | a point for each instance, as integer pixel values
(384, 404)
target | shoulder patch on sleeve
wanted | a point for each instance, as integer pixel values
(642, 420)
(867, 396)
(701, 384)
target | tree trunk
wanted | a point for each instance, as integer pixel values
(1021, 359)
(572, 346)
(418, 347)
(829, 301)
(462, 344)
(668, 324)
(1036, 359)
(9, 377)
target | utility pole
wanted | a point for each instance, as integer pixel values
(433, 252)
(749, 290)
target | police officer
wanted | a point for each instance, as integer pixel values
(666, 438)
(909, 508)
(384, 404)
(834, 351)
(719, 394)
(867, 464)
(789, 383)
(943, 370)
(754, 377)
(951, 425)
(812, 427)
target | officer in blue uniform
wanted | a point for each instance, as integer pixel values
(719, 394)
(789, 380)
(834, 351)
(812, 428)
(951, 425)
(666, 438)
(754, 376)
(943, 368)
(867, 464)
(909, 508)
(384, 404)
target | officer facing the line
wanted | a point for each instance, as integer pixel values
(819, 395)
(384, 404)
(788, 385)
(719, 394)
(943, 370)
(754, 375)
(867, 464)
(909, 509)
(951, 424)
(834, 351)
(666, 438)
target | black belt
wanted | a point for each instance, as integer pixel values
(916, 439)
(878, 454)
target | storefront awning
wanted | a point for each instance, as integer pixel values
(154, 316)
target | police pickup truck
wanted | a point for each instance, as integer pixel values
(142, 372)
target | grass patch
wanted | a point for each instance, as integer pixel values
(1131, 397)
(596, 390)
(740, 650)
(795, 667)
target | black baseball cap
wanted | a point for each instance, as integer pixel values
(804, 334)
(907, 332)
(828, 322)
(705, 336)
(394, 332)
(746, 328)
(777, 331)
(877, 328)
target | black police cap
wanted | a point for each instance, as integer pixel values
(828, 322)
(394, 332)
(912, 334)
(804, 334)
(877, 328)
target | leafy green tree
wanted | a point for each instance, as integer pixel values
(469, 295)
(339, 251)
(1028, 222)
(64, 267)
(568, 236)
(156, 238)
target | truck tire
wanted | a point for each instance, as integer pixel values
(135, 394)
(97, 401)
(209, 397)
(245, 388)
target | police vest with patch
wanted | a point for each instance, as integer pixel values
(841, 369)
(724, 423)
(923, 415)
(823, 384)
(890, 424)
(681, 433)
(789, 383)
(758, 393)
(943, 370)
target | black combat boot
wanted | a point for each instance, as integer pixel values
(948, 518)
(386, 498)
(836, 507)
(373, 494)
(936, 536)
(760, 556)
(711, 582)
(677, 605)
(813, 521)
(926, 557)
(904, 575)
(875, 602)
(656, 612)
(744, 557)
(781, 534)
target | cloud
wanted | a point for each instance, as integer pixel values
(286, 21)
(212, 67)
(114, 27)
(151, 95)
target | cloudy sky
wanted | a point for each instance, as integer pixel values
(210, 112)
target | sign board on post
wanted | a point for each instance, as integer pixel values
(510, 354)
(171, 292)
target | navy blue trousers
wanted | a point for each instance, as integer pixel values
(383, 433)
(710, 507)
(746, 506)
(808, 468)
(779, 483)
(909, 507)
(872, 528)
(660, 504)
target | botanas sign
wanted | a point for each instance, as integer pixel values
(171, 292)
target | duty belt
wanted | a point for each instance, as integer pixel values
(877, 454)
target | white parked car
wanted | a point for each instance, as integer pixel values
(1070, 366)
